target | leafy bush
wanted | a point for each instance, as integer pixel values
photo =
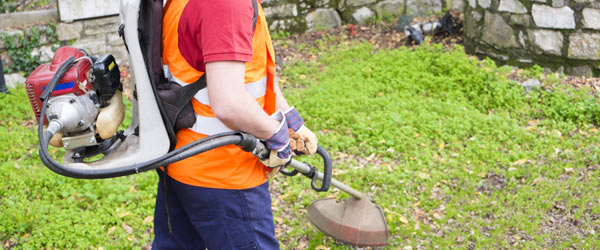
(20, 48)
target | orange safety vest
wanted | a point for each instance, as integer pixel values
(227, 167)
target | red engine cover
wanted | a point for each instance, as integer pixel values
(75, 81)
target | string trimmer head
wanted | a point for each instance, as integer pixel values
(354, 221)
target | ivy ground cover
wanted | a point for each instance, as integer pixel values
(458, 156)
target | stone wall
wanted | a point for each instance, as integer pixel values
(98, 36)
(563, 35)
(301, 15)
(71, 10)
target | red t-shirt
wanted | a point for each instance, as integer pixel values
(215, 31)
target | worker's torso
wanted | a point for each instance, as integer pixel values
(183, 59)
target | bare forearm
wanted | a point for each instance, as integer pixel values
(232, 104)
(247, 116)
(282, 104)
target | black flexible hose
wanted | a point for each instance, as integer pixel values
(247, 142)
(62, 70)
(173, 156)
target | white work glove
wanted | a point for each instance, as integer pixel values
(279, 144)
(302, 140)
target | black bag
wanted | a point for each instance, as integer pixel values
(176, 103)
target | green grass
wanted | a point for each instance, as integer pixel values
(430, 128)
(458, 156)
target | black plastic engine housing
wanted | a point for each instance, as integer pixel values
(107, 78)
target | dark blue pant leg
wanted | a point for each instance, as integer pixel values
(230, 219)
(184, 234)
(259, 205)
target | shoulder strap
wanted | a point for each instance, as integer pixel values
(187, 92)
(254, 14)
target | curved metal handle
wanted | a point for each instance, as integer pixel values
(327, 171)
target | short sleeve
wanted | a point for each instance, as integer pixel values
(217, 30)
(225, 30)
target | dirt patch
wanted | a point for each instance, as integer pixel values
(577, 82)
(562, 225)
(304, 47)
(492, 182)
(593, 83)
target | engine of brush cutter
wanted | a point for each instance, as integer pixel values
(87, 101)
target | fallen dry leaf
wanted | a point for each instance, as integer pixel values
(468, 170)
(148, 219)
(403, 219)
(111, 230)
(123, 214)
(519, 162)
(127, 228)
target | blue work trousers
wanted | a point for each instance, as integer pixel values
(211, 218)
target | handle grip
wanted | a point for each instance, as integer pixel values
(261, 151)
(327, 171)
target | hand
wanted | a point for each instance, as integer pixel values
(279, 144)
(302, 140)
(276, 159)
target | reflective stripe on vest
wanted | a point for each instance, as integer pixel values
(209, 125)
(255, 89)
(212, 125)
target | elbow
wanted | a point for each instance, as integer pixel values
(225, 111)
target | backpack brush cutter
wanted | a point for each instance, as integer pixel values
(78, 104)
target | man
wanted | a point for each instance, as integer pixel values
(220, 199)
